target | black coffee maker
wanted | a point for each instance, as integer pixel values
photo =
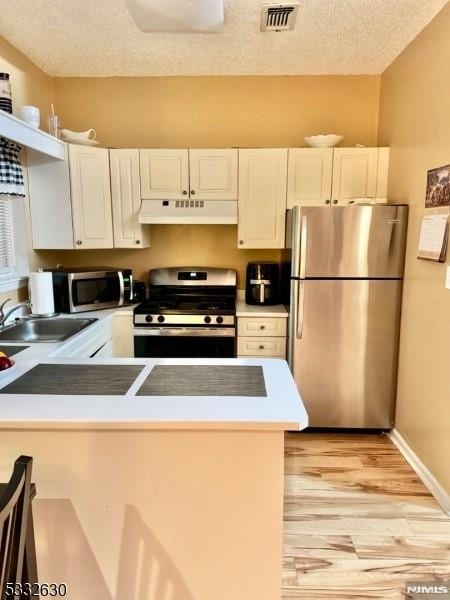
(262, 286)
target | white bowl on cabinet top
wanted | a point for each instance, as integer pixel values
(323, 141)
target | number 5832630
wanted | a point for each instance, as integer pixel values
(21, 590)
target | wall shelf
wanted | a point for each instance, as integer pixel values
(18, 131)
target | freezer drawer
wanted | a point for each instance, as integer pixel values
(343, 345)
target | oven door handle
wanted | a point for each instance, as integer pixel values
(184, 331)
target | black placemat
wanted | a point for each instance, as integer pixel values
(11, 350)
(84, 380)
(204, 380)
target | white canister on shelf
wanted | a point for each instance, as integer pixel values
(31, 115)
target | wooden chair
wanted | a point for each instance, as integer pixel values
(17, 551)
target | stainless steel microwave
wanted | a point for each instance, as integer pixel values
(91, 288)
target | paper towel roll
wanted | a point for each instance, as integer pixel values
(40, 286)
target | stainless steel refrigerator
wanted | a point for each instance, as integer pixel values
(346, 269)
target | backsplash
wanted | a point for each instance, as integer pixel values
(171, 246)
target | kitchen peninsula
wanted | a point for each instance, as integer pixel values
(155, 478)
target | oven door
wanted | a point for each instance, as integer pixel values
(184, 342)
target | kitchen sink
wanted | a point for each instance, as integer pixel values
(44, 330)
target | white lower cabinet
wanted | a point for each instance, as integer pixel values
(262, 337)
(106, 351)
(91, 342)
(122, 337)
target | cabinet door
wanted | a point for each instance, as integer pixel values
(262, 197)
(126, 200)
(91, 197)
(354, 174)
(213, 174)
(164, 174)
(50, 202)
(309, 176)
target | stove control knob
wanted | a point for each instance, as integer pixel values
(149, 318)
(161, 319)
(219, 320)
(207, 319)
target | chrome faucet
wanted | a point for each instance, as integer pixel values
(4, 316)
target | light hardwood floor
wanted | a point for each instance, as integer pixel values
(358, 522)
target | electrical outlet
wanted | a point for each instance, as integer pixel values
(447, 279)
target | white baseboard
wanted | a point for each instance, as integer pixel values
(421, 470)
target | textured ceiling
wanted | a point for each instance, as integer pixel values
(93, 38)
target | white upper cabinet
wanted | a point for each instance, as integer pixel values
(330, 176)
(126, 200)
(262, 197)
(164, 174)
(355, 172)
(309, 176)
(91, 197)
(213, 174)
(50, 201)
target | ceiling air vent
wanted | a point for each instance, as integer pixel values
(279, 17)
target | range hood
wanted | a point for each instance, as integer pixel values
(189, 212)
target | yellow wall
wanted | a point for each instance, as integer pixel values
(210, 111)
(172, 112)
(29, 85)
(172, 246)
(414, 121)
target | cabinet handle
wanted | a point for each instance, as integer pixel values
(241, 241)
(335, 201)
(184, 192)
(327, 201)
(262, 326)
(79, 242)
(192, 192)
(261, 347)
(138, 241)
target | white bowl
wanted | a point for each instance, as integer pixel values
(323, 141)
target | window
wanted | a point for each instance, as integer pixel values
(13, 243)
(7, 253)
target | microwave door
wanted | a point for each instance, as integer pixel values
(96, 290)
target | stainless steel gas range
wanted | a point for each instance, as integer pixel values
(190, 312)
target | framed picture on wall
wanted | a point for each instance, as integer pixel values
(438, 187)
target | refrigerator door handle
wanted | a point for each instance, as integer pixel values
(292, 323)
(295, 241)
(295, 317)
(303, 242)
(300, 309)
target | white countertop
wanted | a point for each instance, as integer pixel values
(282, 409)
(250, 310)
